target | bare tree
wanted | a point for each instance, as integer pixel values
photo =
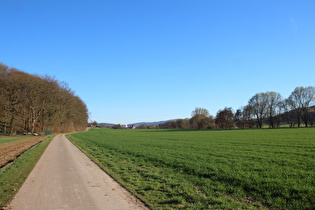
(301, 99)
(259, 105)
(273, 107)
(238, 118)
(15, 94)
(289, 113)
(243, 117)
(168, 125)
(185, 123)
(201, 119)
(312, 116)
(4, 102)
(118, 126)
(225, 118)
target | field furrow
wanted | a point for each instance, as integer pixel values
(9, 151)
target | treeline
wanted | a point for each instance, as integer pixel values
(268, 108)
(35, 104)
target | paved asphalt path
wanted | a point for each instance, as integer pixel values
(64, 178)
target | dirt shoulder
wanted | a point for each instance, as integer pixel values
(64, 178)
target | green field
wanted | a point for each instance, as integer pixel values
(265, 168)
(9, 139)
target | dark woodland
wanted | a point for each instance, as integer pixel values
(36, 104)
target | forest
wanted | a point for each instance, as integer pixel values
(263, 109)
(36, 104)
(266, 109)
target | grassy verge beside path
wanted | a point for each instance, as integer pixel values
(13, 175)
(246, 169)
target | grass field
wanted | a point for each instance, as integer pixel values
(13, 175)
(265, 168)
(6, 139)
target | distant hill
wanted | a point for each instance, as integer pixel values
(106, 124)
(149, 123)
(136, 124)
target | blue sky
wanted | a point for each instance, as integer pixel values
(152, 60)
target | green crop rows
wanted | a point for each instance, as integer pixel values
(265, 168)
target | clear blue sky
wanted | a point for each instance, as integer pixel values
(151, 60)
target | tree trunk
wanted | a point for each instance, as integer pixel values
(12, 118)
(299, 118)
(4, 126)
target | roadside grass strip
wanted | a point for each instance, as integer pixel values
(13, 175)
(246, 169)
